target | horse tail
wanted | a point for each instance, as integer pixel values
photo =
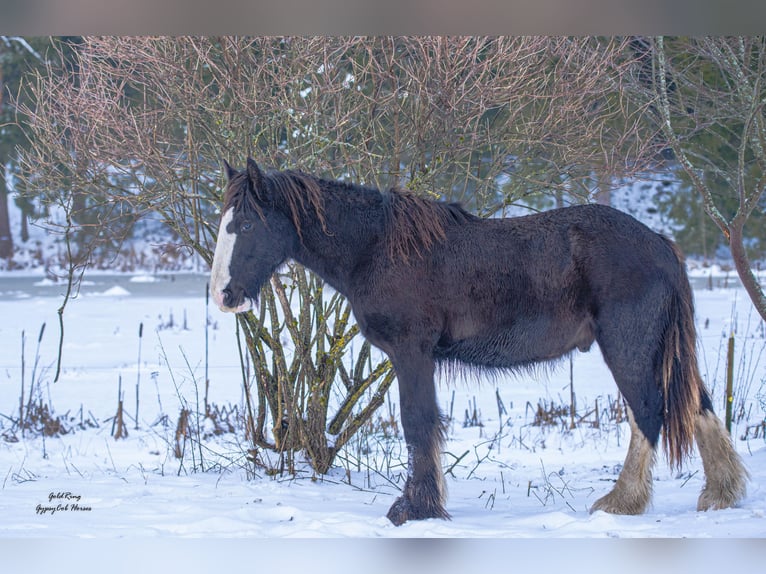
(683, 390)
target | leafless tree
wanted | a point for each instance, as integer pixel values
(708, 96)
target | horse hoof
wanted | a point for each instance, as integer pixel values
(708, 501)
(398, 513)
(403, 510)
(614, 504)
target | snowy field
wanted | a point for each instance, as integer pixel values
(507, 477)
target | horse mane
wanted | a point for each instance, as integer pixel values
(297, 192)
(412, 224)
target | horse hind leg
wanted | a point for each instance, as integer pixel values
(627, 353)
(725, 474)
(633, 490)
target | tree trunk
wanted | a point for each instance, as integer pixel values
(603, 195)
(744, 270)
(24, 226)
(6, 240)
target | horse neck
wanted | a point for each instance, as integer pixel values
(351, 225)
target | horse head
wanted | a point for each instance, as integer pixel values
(254, 239)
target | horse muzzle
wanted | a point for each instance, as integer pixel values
(229, 302)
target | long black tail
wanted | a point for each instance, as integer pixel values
(683, 390)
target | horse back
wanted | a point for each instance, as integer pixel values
(517, 291)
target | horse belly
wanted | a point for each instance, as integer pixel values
(524, 343)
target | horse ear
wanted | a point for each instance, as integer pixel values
(254, 173)
(230, 171)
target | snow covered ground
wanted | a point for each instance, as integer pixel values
(507, 479)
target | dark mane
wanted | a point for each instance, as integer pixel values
(412, 224)
(298, 193)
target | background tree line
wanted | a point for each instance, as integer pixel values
(114, 131)
(537, 169)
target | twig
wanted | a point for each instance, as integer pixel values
(138, 367)
(21, 402)
(454, 464)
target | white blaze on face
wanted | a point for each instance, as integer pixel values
(220, 275)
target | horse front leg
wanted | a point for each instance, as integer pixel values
(424, 491)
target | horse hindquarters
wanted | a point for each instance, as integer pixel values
(651, 351)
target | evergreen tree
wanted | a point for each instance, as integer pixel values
(18, 57)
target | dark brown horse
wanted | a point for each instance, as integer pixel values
(431, 284)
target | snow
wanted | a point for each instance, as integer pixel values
(143, 279)
(509, 480)
(115, 291)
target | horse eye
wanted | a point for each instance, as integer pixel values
(246, 227)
